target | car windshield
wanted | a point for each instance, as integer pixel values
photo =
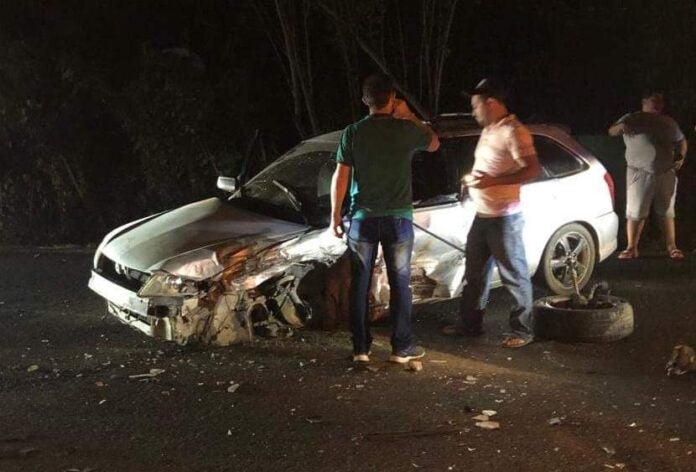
(297, 187)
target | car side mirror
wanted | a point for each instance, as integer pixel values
(227, 184)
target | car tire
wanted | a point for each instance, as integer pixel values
(611, 321)
(555, 272)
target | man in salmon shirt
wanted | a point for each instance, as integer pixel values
(505, 158)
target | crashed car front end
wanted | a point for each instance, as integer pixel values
(218, 296)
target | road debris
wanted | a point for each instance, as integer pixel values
(488, 424)
(32, 368)
(412, 433)
(233, 388)
(554, 421)
(489, 412)
(151, 374)
(682, 360)
(314, 419)
(414, 366)
(609, 450)
(17, 452)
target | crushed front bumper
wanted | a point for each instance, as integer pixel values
(129, 308)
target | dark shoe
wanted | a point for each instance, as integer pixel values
(405, 355)
(459, 330)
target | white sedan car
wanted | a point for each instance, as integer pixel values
(262, 259)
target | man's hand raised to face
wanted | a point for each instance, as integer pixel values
(401, 110)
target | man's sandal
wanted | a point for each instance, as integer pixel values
(515, 341)
(676, 255)
(630, 253)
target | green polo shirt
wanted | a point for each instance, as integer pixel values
(379, 149)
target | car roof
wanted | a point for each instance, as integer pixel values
(459, 125)
(452, 130)
(332, 138)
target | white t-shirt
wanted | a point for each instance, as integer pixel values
(501, 150)
(652, 143)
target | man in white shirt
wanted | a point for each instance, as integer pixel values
(655, 151)
(505, 158)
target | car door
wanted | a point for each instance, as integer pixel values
(441, 222)
(544, 200)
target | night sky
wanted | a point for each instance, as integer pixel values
(576, 62)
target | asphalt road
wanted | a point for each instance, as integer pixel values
(67, 401)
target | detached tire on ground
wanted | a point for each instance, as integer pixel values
(555, 320)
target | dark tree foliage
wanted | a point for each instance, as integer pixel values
(111, 109)
(107, 115)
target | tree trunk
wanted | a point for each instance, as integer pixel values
(291, 55)
(379, 61)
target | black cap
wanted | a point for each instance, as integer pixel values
(488, 87)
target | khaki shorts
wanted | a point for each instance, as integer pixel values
(645, 189)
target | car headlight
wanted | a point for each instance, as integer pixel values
(163, 284)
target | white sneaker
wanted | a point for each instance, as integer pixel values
(405, 355)
(361, 358)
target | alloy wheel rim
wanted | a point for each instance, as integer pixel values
(571, 250)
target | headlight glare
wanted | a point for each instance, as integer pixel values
(163, 284)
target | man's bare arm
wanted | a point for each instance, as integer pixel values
(402, 111)
(683, 148)
(339, 185)
(616, 129)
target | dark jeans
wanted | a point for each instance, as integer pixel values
(496, 240)
(396, 237)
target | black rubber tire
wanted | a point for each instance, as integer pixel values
(572, 232)
(591, 325)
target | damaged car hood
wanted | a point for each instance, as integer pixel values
(158, 242)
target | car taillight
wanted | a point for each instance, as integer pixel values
(612, 189)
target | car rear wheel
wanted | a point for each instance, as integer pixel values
(570, 248)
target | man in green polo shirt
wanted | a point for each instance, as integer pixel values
(374, 159)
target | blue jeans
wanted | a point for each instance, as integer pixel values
(396, 236)
(496, 240)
